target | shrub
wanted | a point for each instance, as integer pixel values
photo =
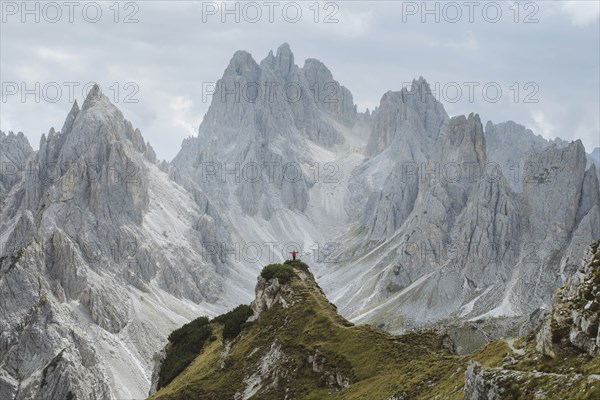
(297, 264)
(283, 272)
(186, 344)
(234, 320)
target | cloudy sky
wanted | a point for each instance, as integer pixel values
(537, 63)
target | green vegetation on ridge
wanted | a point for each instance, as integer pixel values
(283, 272)
(301, 348)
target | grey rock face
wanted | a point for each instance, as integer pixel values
(268, 293)
(554, 187)
(595, 155)
(508, 146)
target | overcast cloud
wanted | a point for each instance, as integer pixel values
(548, 69)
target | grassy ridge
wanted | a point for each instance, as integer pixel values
(376, 365)
(302, 348)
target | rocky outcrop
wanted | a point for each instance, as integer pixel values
(268, 293)
(575, 313)
(497, 384)
(330, 377)
(270, 369)
(476, 385)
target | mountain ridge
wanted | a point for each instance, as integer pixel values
(296, 346)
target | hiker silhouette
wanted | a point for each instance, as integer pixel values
(294, 253)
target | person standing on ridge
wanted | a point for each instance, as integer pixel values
(294, 253)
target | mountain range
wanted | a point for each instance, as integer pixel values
(410, 218)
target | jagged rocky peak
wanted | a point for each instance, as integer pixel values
(410, 115)
(97, 122)
(14, 145)
(96, 161)
(284, 60)
(94, 95)
(275, 94)
(88, 243)
(328, 94)
(254, 110)
(14, 152)
(553, 186)
(68, 125)
(465, 138)
(241, 63)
